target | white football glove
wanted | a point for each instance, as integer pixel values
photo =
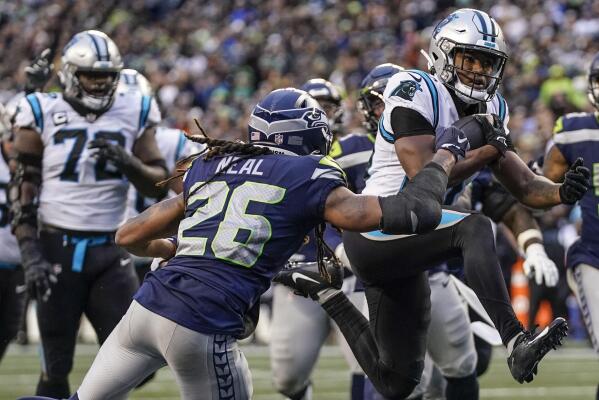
(538, 264)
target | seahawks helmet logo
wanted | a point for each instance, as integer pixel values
(407, 90)
(315, 118)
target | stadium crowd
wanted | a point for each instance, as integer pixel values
(215, 59)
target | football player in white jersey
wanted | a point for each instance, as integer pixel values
(76, 153)
(467, 57)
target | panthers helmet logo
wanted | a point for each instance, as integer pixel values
(407, 89)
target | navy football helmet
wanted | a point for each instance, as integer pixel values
(371, 93)
(594, 82)
(329, 98)
(291, 120)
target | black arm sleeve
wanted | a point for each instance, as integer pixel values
(408, 122)
(497, 201)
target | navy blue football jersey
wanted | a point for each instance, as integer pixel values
(239, 230)
(577, 135)
(352, 153)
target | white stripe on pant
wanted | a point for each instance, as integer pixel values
(205, 366)
(583, 279)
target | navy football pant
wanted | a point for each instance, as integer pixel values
(392, 346)
(102, 289)
(12, 305)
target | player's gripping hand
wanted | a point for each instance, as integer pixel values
(39, 72)
(495, 133)
(39, 273)
(453, 139)
(540, 266)
(576, 183)
(112, 152)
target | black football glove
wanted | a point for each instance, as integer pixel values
(112, 152)
(576, 182)
(39, 273)
(453, 139)
(39, 72)
(495, 133)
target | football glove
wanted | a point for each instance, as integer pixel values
(454, 140)
(39, 273)
(495, 133)
(39, 72)
(112, 152)
(540, 266)
(576, 182)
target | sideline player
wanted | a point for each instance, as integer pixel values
(467, 58)
(76, 153)
(577, 135)
(244, 211)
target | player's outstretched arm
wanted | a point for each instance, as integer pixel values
(416, 209)
(537, 191)
(143, 235)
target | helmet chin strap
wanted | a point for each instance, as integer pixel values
(476, 96)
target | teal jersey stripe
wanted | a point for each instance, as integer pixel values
(180, 145)
(502, 107)
(434, 95)
(145, 110)
(386, 135)
(37, 110)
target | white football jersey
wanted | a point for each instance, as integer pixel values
(174, 146)
(78, 192)
(9, 249)
(425, 94)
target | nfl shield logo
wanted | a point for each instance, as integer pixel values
(279, 138)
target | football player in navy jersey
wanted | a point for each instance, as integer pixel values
(244, 211)
(467, 56)
(577, 135)
(77, 151)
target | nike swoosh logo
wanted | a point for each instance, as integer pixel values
(296, 275)
(463, 140)
(416, 78)
(125, 261)
(545, 331)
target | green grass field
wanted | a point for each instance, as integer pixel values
(569, 374)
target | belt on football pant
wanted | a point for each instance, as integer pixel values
(81, 244)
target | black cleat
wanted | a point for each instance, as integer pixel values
(530, 348)
(306, 280)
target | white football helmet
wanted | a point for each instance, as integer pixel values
(90, 51)
(132, 80)
(471, 32)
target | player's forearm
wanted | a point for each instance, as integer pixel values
(475, 160)
(159, 221)
(539, 192)
(157, 248)
(145, 177)
(519, 219)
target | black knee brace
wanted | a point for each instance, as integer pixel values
(417, 208)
